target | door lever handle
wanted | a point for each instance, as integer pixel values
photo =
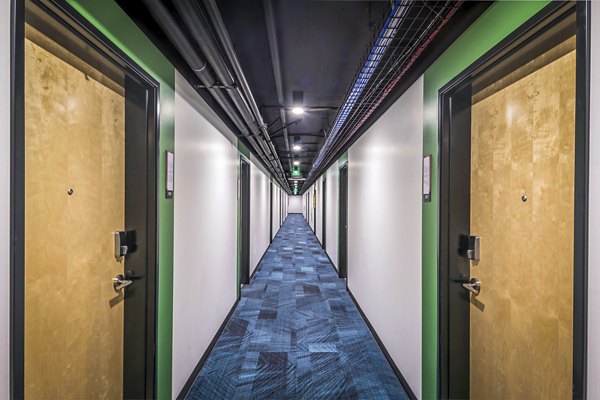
(119, 282)
(473, 286)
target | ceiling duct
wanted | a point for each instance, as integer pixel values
(276, 65)
(408, 29)
(223, 87)
(225, 41)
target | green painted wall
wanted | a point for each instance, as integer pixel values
(108, 17)
(494, 25)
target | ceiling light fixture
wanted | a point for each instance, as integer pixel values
(297, 147)
(296, 163)
(298, 102)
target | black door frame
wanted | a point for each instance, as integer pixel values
(270, 211)
(343, 223)
(244, 221)
(324, 212)
(536, 25)
(68, 17)
(314, 201)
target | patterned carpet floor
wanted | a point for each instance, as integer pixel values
(296, 334)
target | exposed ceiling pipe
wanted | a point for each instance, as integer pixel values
(225, 40)
(193, 19)
(276, 63)
(200, 67)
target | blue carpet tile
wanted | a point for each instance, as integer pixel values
(296, 334)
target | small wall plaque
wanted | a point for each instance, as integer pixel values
(427, 178)
(170, 176)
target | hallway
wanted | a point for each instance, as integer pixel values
(296, 334)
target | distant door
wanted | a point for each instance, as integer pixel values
(324, 212)
(270, 211)
(343, 224)
(89, 229)
(245, 221)
(314, 204)
(509, 192)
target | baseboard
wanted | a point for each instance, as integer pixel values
(278, 229)
(389, 359)
(188, 384)
(325, 251)
(259, 262)
(332, 263)
(196, 371)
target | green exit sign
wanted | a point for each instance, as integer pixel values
(295, 191)
(295, 172)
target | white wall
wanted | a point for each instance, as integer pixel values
(331, 214)
(5, 196)
(296, 204)
(204, 286)
(259, 215)
(384, 229)
(593, 383)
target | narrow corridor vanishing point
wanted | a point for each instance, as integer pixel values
(296, 334)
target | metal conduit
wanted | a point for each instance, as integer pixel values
(201, 69)
(223, 35)
(192, 17)
(276, 65)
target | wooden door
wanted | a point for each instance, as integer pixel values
(522, 207)
(74, 201)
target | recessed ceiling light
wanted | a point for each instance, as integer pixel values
(298, 102)
(297, 147)
(296, 162)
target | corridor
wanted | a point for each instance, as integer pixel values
(291, 199)
(296, 333)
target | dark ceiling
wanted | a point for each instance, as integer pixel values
(320, 48)
(320, 45)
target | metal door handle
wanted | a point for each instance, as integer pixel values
(119, 282)
(473, 286)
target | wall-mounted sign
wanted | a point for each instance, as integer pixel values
(170, 175)
(427, 178)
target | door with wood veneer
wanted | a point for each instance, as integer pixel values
(86, 177)
(508, 186)
(74, 200)
(522, 192)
